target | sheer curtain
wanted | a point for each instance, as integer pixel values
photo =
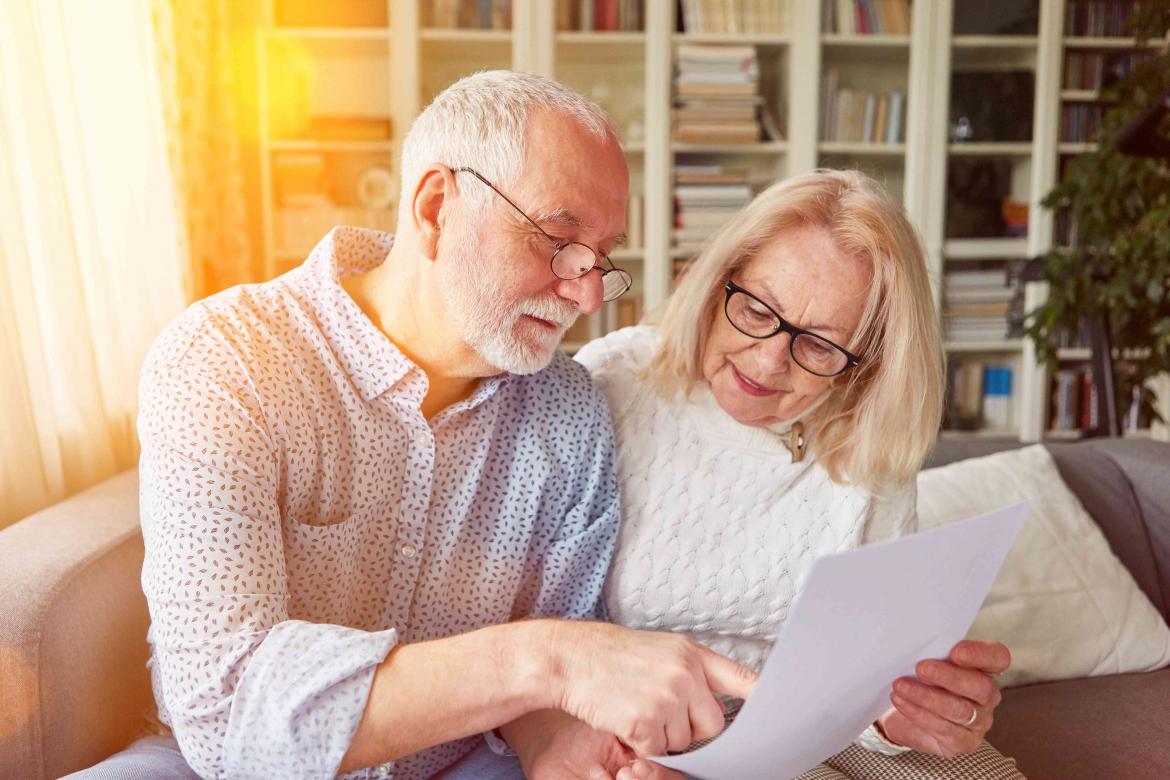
(199, 64)
(90, 257)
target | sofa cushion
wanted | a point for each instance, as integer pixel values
(1063, 603)
(1105, 727)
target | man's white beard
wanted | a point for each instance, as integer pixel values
(491, 323)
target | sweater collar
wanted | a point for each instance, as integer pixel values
(720, 426)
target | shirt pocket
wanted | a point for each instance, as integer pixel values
(344, 535)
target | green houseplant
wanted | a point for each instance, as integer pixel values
(1119, 260)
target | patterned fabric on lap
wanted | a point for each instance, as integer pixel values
(854, 763)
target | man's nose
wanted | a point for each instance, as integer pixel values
(584, 291)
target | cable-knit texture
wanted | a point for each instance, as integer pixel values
(719, 527)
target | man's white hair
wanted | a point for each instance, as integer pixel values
(479, 122)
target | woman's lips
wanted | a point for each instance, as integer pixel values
(750, 387)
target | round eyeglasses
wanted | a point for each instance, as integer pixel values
(752, 317)
(571, 259)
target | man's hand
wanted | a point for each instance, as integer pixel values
(654, 691)
(933, 712)
(555, 746)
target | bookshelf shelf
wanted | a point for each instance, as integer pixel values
(861, 149)
(459, 35)
(840, 40)
(1105, 42)
(734, 39)
(1076, 148)
(578, 38)
(985, 347)
(985, 248)
(1026, 42)
(764, 147)
(1080, 95)
(1074, 354)
(991, 149)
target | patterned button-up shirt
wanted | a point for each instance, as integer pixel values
(301, 516)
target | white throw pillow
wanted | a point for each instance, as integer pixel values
(1063, 602)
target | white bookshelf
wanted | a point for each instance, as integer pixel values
(631, 74)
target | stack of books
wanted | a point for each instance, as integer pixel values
(717, 97)
(981, 305)
(1095, 70)
(979, 395)
(1074, 401)
(858, 116)
(705, 198)
(472, 14)
(746, 17)
(1079, 122)
(866, 17)
(1096, 18)
(600, 15)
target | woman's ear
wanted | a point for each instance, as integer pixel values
(432, 198)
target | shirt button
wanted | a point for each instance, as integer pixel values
(420, 441)
(383, 770)
(409, 550)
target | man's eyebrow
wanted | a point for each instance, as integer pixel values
(559, 216)
(562, 217)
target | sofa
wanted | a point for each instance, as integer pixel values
(74, 687)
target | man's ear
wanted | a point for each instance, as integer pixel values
(432, 197)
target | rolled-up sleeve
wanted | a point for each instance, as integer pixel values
(248, 692)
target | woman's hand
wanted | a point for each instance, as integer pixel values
(949, 707)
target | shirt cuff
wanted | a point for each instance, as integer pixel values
(872, 740)
(497, 744)
(300, 699)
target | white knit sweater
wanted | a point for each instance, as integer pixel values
(719, 527)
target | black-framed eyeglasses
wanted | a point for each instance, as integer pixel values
(752, 317)
(571, 259)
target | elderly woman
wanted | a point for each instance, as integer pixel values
(778, 412)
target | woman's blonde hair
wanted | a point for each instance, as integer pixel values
(880, 419)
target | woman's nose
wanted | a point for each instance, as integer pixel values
(775, 354)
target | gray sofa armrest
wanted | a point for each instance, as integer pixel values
(73, 628)
(1117, 481)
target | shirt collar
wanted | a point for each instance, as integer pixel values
(372, 361)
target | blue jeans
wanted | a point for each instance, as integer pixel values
(158, 758)
(483, 764)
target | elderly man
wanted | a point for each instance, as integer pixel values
(358, 478)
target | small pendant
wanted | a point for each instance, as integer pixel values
(796, 443)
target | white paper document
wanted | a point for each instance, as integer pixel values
(864, 618)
